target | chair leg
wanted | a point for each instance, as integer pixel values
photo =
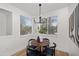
(54, 52)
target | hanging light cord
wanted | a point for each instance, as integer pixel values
(40, 12)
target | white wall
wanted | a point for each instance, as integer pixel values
(12, 43)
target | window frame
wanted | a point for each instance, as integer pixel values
(31, 26)
(47, 28)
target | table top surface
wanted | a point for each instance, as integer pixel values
(40, 45)
(43, 43)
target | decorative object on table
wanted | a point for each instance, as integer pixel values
(38, 39)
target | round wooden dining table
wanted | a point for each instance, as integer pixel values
(40, 45)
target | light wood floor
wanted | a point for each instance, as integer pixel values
(57, 53)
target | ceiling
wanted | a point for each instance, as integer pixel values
(33, 8)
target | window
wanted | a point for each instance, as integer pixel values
(42, 28)
(52, 25)
(25, 25)
(49, 26)
(5, 22)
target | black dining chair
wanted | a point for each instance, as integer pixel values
(49, 51)
(31, 51)
(53, 48)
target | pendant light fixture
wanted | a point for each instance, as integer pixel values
(40, 18)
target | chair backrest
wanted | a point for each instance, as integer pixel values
(53, 48)
(32, 42)
(46, 42)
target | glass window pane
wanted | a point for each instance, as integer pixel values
(25, 25)
(42, 27)
(52, 24)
